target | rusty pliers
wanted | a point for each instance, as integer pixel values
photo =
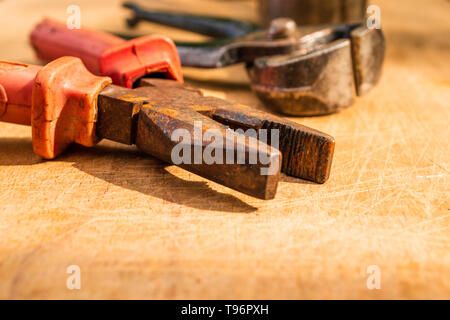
(65, 103)
(296, 71)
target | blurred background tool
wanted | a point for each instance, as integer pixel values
(295, 71)
(306, 12)
(307, 153)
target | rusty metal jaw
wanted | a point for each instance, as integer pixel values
(320, 82)
(157, 132)
(152, 115)
(306, 153)
(322, 76)
(152, 119)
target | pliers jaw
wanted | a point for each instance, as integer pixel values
(149, 115)
(306, 153)
(323, 75)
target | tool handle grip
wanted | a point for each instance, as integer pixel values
(52, 39)
(104, 54)
(16, 87)
(58, 100)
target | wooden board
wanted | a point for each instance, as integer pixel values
(140, 229)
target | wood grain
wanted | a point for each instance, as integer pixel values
(140, 229)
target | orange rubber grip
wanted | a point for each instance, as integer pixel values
(59, 100)
(107, 55)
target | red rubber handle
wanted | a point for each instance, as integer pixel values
(52, 39)
(16, 84)
(107, 55)
(58, 100)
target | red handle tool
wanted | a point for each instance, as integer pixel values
(107, 55)
(58, 100)
(65, 104)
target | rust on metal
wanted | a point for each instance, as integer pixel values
(148, 116)
(324, 74)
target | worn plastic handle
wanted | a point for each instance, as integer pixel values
(107, 55)
(52, 39)
(16, 83)
(58, 100)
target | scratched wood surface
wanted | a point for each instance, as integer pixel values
(140, 229)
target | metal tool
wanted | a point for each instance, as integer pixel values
(296, 71)
(64, 103)
(306, 153)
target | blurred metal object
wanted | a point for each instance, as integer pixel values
(307, 12)
(322, 74)
(310, 70)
